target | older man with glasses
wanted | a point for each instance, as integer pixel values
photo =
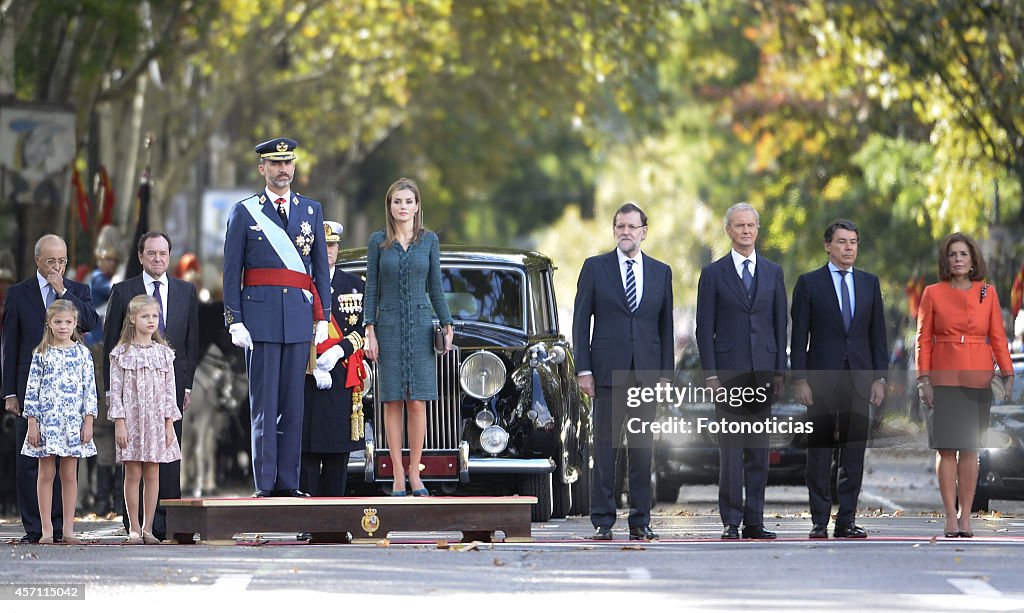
(24, 317)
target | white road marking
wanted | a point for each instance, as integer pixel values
(232, 583)
(974, 587)
(638, 573)
(879, 500)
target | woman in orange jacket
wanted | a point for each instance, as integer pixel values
(960, 337)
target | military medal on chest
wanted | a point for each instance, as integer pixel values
(351, 305)
(304, 240)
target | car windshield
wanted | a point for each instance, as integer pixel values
(492, 296)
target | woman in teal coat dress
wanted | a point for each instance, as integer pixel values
(403, 270)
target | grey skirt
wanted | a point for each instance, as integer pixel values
(960, 418)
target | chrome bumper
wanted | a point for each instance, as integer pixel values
(469, 467)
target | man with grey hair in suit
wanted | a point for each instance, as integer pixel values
(741, 336)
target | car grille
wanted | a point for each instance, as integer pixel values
(442, 414)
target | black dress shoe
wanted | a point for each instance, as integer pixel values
(30, 539)
(601, 533)
(731, 532)
(262, 494)
(757, 532)
(294, 494)
(849, 531)
(819, 531)
(642, 533)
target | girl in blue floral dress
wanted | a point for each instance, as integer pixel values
(60, 405)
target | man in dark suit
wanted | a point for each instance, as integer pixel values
(839, 359)
(277, 298)
(23, 322)
(629, 297)
(741, 336)
(179, 324)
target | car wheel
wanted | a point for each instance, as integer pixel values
(667, 489)
(980, 503)
(562, 496)
(539, 486)
(621, 478)
(581, 489)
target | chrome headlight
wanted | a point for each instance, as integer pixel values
(996, 439)
(368, 381)
(482, 375)
(494, 439)
(484, 419)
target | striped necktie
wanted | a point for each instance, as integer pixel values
(630, 285)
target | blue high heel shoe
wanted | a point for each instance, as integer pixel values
(398, 492)
(421, 493)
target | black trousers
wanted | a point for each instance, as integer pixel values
(608, 433)
(324, 474)
(743, 457)
(841, 420)
(170, 487)
(26, 476)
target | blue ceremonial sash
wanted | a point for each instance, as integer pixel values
(278, 239)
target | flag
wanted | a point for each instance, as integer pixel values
(107, 206)
(81, 199)
(1017, 292)
(134, 266)
(914, 291)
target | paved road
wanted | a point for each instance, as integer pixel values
(900, 567)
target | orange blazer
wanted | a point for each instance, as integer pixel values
(960, 336)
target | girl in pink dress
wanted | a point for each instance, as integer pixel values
(143, 409)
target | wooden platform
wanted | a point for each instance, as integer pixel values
(330, 520)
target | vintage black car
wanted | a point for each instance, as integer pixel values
(1001, 463)
(510, 417)
(692, 458)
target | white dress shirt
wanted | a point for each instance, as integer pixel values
(737, 261)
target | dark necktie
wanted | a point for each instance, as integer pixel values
(844, 291)
(630, 285)
(51, 295)
(748, 279)
(281, 211)
(160, 303)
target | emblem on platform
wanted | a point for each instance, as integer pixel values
(370, 522)
(304, 240)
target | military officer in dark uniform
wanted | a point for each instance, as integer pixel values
(276, 287)
(330, 427)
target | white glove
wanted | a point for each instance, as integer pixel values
(322, 377)
(321, 332)
(240, 336)
(330, 358)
